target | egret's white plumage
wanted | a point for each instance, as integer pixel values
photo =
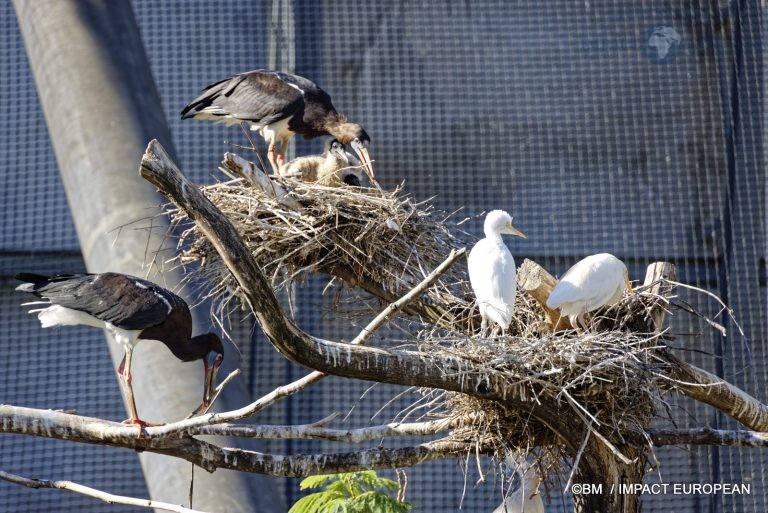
(596, 281)
(492, 271)
(526, 498)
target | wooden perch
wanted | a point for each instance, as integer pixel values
(535, 280)
(251, 173)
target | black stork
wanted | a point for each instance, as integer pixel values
(131, 309)
(278, 105)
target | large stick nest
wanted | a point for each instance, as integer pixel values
(606, 379)
(384, 242)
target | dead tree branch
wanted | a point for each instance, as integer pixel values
(302, 383)
(92, 492)
(312, 431)
(709, 436)
(53, 424)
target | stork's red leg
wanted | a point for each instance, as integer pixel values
(273, 161)
(283, 150)
(124, 373)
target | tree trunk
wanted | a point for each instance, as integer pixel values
(99, 98)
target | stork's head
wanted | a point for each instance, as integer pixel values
(498, 222)
(213, 355)
(354, 135)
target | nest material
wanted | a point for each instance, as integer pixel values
(370, 238)
(605, 378)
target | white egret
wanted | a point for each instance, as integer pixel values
(526, 498)
(595, 281)
(492, 271)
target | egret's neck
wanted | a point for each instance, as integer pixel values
(492, 234)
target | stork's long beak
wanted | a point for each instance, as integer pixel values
(514, 231)
(211, 364)
(362, 152)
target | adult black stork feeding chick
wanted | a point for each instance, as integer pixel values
(278, 105)
(131, 309)
(334, 167)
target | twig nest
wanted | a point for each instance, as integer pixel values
(382, 241)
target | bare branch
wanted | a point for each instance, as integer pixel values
(301, 465)
(313, 431)
(709, 436)
(313, 377)
(92, 492)
(714, 391)
(53, 424)
(535, 280)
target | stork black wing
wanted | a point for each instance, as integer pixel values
(260, 97)
(125, 301)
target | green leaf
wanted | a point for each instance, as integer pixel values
(373, 481)
(317, 481)
(312, 503)
(338, 505)
(354, 492)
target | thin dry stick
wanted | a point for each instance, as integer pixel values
(311, 378)
(92, 492)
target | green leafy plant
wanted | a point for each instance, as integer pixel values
(355, 492)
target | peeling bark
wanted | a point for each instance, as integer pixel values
(63, 426)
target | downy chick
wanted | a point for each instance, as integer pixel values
(335, 166)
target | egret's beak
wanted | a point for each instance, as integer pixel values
(211, 364)
(514, 231)
(362, 152)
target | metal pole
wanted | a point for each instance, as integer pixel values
(101, 107)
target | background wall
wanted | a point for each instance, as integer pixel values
(551, 110)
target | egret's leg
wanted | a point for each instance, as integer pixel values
(483, 327)
(581, 321)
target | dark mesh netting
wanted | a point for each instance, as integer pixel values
(633, 128)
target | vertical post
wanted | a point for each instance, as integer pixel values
(281, 44)
(99, 99)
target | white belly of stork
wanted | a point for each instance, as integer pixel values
(57, 315)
